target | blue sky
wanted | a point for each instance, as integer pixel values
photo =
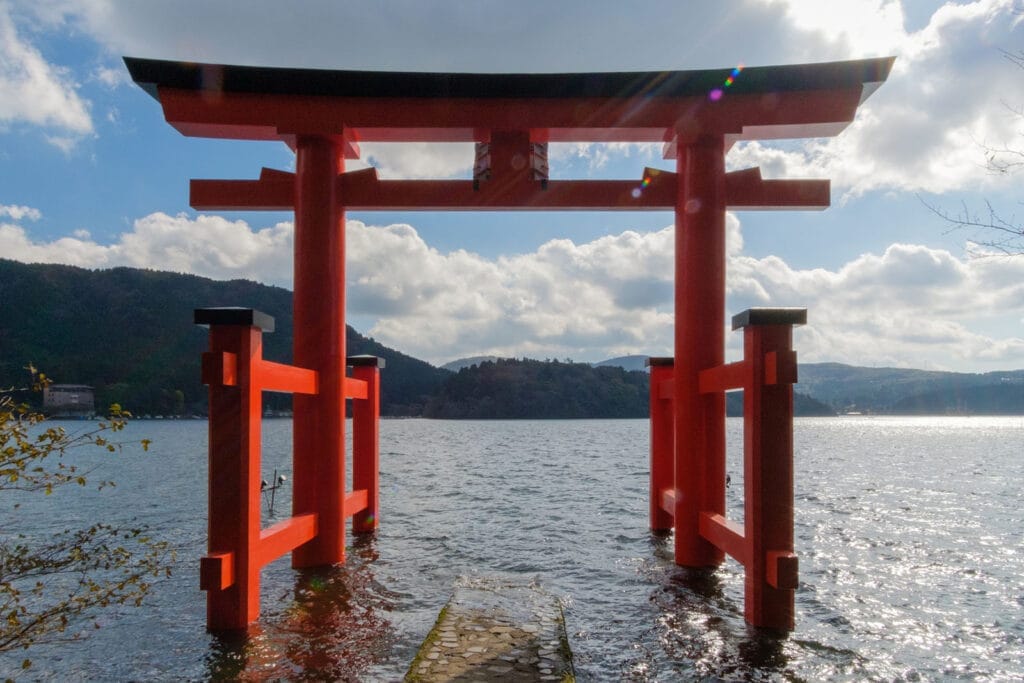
(91, 175)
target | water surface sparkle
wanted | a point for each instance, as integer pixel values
(909, 533)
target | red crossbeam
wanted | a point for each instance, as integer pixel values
(725, 377)
(727, 535)
(285, 536)
(363, 191)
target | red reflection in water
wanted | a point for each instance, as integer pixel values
(334, 628)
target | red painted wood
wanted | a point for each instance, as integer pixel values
(668, 501)
(319, 322)
(234, 480)
(768, 483)
(699, 419)
(284, 537)
(219, 369)
(366, 449)
(727, 535)
(364, 192)
(725, 377)
(355, 502)
(259, 116)
(356, 388)
(662, 446)
(216, 571)
(286, 378)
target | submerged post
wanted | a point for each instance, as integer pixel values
(319, 323)
(366, 442)
(763, 544)
(662, 445)
(699, 345)
(771, 577)
(239, 546)
(229, 573)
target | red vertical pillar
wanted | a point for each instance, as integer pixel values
(662, 441)
(771, 575)
(319, 315)
(699, 345)
(366, 441)
(230, 573)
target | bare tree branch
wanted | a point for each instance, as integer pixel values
(995, 231)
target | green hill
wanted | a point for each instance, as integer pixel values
(913, 392)
(129, 333)
(512, 389)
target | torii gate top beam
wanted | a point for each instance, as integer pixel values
(259, 103)
(508, 115)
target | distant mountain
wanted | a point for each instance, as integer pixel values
(129, 333)
(913, 392)
(457, 365)
(626, 363)
(515, 389)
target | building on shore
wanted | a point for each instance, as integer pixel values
(69, 400)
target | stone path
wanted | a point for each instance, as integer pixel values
(496, 630)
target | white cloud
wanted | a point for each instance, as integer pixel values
(206, 245)
(860, 27)
(36, 92)
(526, 36)
(420, 159)
(910, 306)
(111, 77)
(16, 244)
(926, 129)
(20, 213)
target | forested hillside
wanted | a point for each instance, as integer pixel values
(903, 391)
(510, 389)
(129, 334)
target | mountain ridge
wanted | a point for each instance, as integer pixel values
(129, 333)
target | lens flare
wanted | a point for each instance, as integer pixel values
(644, 184)
(717, 93)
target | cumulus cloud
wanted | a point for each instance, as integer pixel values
(858, 26)
(927, 128)
(36, 92)
(206, 245)
(910, 306)
(19, 213)
(420, 159)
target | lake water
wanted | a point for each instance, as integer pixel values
(909, 533)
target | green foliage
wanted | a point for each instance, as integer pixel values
(49, 586)
(514, 389)
(129, 333)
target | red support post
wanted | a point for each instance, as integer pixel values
(366, 442)
(662, 443)
(230, 572)
(319, 323)
(239, 547)
(699, 345)
(771, 575)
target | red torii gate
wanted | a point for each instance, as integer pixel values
(324, 115)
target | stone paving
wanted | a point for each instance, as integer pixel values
(496, 630)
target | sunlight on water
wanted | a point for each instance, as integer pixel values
(909, 533)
